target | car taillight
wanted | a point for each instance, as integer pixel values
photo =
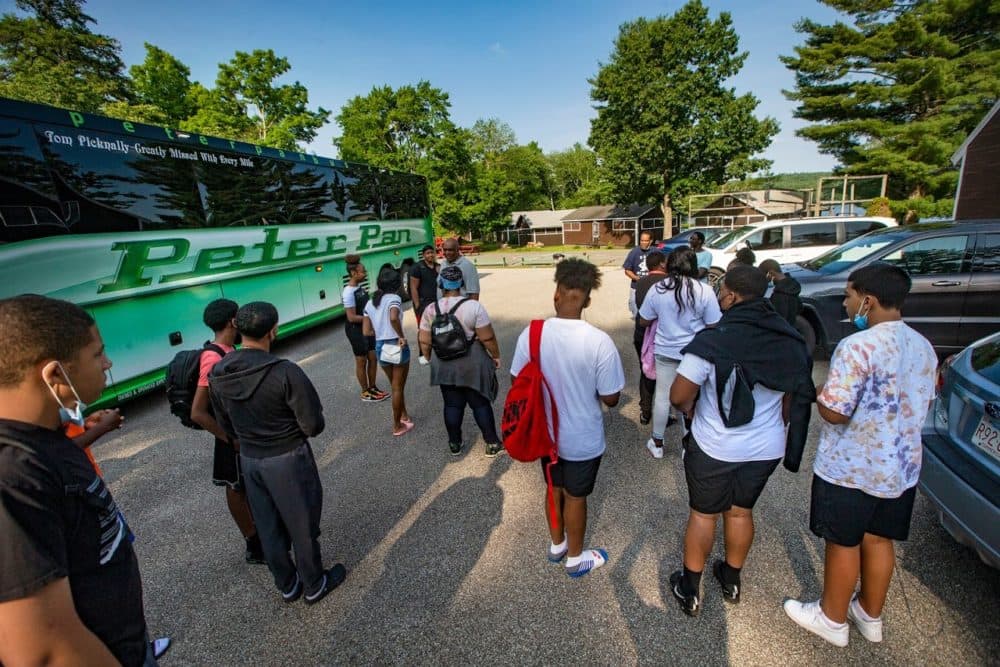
(942, 372)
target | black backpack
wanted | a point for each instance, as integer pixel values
(447, 334)
(182, 381)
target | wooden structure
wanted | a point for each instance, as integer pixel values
(544, 227)
(612, 225)
(733, 209)
(979, 163)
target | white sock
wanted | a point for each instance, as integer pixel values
(558, 548)
(572, 561)
(830, 624)
(862, 613)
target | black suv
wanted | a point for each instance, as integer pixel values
(955, 267)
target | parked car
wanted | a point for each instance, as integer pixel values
(681, 239)
(961, 465)
(791, 240)
(955, 268)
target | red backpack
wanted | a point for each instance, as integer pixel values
(524, 425)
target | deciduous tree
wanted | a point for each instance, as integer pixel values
(667, 122)
(51, 56)
(164, 82)
(897, 87)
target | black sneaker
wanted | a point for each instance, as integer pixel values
(455, 448)
(294, 593)
(730, 592)
(645, 418)
(331, 579)
(493, 448)
(690, 604)
(255, 552)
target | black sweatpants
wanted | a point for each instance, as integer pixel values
(455, 400)
(286, 498)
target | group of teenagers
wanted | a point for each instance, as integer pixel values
(740, 385)
(732, 372)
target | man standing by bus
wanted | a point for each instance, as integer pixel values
(269, 405)
(452, 257)
(220, 317)
(423, 281)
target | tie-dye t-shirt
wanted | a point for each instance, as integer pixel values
(883, 378)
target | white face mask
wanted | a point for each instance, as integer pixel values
(66, 415)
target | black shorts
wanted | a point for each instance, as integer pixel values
(575, 477)
(843, 516)
(226, 466)
(715, 486)
(361, 344)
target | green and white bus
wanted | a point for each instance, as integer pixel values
(144, 225)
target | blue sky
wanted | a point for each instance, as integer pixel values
(526, 63)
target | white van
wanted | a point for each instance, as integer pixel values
(792, 240)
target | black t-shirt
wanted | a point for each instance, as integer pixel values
(58, 519)
(428, 276)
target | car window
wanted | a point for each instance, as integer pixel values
(855, 228)
(724, 240)
(985, 360)
(817, 233)
(842, 257)
(987, 257)
(943, 254)
(766, 239)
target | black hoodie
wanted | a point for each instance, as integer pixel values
(785, 298)
(267, 403)
(760, 347)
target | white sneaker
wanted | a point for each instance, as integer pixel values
(810, 616)
(657, 452)
(870, 630)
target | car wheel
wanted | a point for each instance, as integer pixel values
(803, 326)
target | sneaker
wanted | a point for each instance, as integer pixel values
(378, 394)
(870, 630)
(160, 645)
(493, 448)
(591, 560)
(810, 616)
(294, 593)
(331, 579)
(255, 556)
(730, 592)
(455, 448)
(367, 396)
(645, 418)
(690, 604)
(558, 556)
(657, 452)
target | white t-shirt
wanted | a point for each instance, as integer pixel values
(347, 296)
(883, 378)
(763, 439)
(471, 314)
(380, 316)
(675, 328)
(580, 363)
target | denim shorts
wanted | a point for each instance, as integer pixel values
(404, 359)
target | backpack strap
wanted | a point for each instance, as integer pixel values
(455, 307)
(209, 345)
(535, 340)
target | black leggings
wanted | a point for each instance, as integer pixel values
(455, 399)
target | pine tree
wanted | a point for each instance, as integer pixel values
(898, 88)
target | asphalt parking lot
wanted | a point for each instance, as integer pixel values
(445, 555)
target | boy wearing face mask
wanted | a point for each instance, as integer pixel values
(874, 402)
(70, 591)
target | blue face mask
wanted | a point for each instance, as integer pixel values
(861, 321)
(67, 416)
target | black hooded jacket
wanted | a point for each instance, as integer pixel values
(785, 298)
(759, 346)
(267, 403)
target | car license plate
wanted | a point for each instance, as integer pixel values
(987, 437)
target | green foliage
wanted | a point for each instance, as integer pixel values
(577, 179)
(52, 57)
(802, 180)
(898, 88)
(164, 82)
(278, 114)
(667, 124)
